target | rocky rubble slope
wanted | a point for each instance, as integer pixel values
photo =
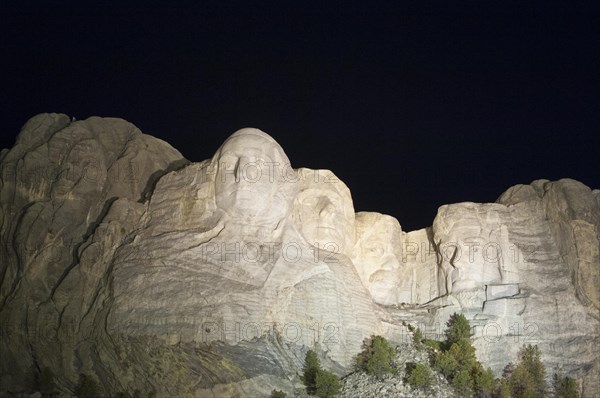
(362, 385)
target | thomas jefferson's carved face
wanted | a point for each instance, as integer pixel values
(324, 212)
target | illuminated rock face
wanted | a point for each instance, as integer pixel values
(378, 258)
(149, 274)
(521, 270)
(122, 260)
(244, 269)
(324, 212)
(254, 183)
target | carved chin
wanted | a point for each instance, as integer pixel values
(325, 236)
(328, 234)
(244, 202)
(248, 207)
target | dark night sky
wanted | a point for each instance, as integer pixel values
(412, 107)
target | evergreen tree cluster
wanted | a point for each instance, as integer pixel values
(277, 394)
(318, 381)
(565, 387)
(377, 356)
(527, 379)
(457, 361)
(419, 375)
(453, 358)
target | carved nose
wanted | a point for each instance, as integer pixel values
(327, 208)
(248, 170)
(239, 169)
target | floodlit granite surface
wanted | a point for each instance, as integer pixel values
(122, 260)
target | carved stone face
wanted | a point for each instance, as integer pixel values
(377, 255)
(378, 248)
(382, 265)
(250, 170)
(324, 211)
(474, 247)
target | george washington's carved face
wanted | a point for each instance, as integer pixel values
(251, 168)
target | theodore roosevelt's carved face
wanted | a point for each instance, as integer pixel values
(377, 247)
(377, 254)
(250, 172)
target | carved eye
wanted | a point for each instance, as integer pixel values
(374, 250)
(336, 202)
(228, 162)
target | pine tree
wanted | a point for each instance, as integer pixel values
(458, 328)
(462, 382)
(484, 382)
(277, 394)
(463, 353)
(502, 389)
(458, 363)
(310, 370)
(382, 353)
(420, 376)
(363, 356)
(565, 387)
(418, 338)
(446, 364)
(531, 358)
(527, 378)
(521, 383)
(327, 384)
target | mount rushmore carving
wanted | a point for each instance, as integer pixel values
(123, 260)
